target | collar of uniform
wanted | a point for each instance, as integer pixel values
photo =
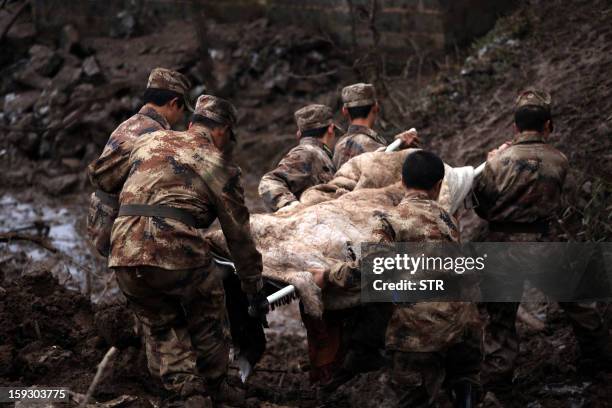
(313, 141)
(153, 114)
(528, 137)
(202, 131)
(416, 195)
(364, 130)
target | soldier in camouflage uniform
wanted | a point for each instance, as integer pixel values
(164, 102)
(430, 343)
(519, 193)
(306, 165)
(178, 184)
(364, 325)
(361, 108)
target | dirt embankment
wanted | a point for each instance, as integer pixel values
(561, 46)
(63, 94)
(51, 336)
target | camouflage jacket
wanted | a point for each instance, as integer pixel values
(522, 183)
(424, 326)
(357, 140)
(109, 171)
(306, 165)
(183, 170)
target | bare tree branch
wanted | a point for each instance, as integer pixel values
(13, 19)
(205, 65)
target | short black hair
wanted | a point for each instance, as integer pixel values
(206, 122)
(359, 112)
(318, 132)
(160, 97)
(531, 117)
(422, 170)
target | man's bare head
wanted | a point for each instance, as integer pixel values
(423, 171)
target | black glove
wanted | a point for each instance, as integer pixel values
(259, 306)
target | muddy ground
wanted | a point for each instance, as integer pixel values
(61, 101)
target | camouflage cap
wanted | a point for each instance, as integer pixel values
(533, 97)
(217, 109)
(313, 117)
(358, 95)
(162, 78)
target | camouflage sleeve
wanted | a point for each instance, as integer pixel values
(485, 190)
(356, 145)
(235, 222)
(370, 145)
(109, 171)
(384, 232)
(344, 274)
(278, 188)
(346, 151)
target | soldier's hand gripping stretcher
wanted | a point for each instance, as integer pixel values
(405, 140)
(259, 306)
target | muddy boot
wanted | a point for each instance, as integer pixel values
(591, 331)
(225, 394)
(192, 393)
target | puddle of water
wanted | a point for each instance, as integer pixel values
(76, 258)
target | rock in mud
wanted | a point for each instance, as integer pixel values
(115, 324)
(59, 185)
(44, 60)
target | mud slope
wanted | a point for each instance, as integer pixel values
(562, 46)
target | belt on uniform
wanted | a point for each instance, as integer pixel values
(112, 200)
(538, 227)
(146, 210)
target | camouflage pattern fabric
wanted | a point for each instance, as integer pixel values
(417, 378)
(313, 117)
(522, 183)
(109, 171)
(183, 170)
(533, 97)
(220, 110)
(357, 140)
(358, 95)
(344, 275)
(306, 165)
(163, 78)
(501, 345)
(184, 323)
(425, 326)
(432, 343)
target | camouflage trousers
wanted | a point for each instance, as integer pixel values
(502, 342)
(419, 377)
(184, 322)
(366, 328)
(501, 338)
